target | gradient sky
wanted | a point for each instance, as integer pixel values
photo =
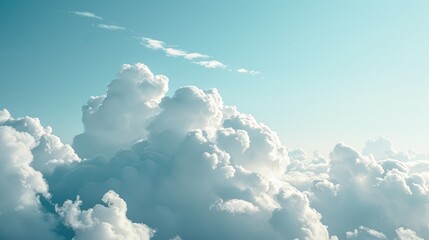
(331, 71)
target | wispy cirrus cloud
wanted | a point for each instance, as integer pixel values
(191, 56)
(110, 27)
(87, 14)
(251, 72)
(211, 64)
(174, 52)
(170, 51)
(153, 44)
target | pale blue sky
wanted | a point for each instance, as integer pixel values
(330, 70)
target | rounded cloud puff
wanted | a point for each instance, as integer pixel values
(120, 117)
(103, 222)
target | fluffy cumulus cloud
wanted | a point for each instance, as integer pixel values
(28, 151)
(119, 118)
(380, 195)
(187, 166)
(407, 234)
(103, 222)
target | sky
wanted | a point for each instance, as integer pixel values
(181, 120)
(334, 70)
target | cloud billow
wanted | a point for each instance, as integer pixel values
(187, 166)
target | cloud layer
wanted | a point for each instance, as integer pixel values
(187, 166)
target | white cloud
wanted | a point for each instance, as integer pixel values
(365, 233)
(295, 211)
(297, 154)
(169, 51)
(4, 115)
(110, 27)
(407, 234)
(369, 191)
(119, 118)
(174, 52)
(205, 163)
(188, 165)
(251, 72)
(87, 14)
(235, 206)
(191, 56)
(103, 222)
(48, 151)
(27, 150)
(153, 44)
(211, 64)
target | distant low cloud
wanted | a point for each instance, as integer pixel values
(211, 64)
(407, 234)
(110, 27)
(87, 14)
(365, 233)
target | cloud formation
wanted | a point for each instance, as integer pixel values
(188, 166)
(103, 222)
(110, 27)
(87, 14)
(170, 51)
(211, 64)
(120, 117)
(28, 153)
(251, 72)
(175, 52)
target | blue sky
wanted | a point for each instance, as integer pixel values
(330, 70)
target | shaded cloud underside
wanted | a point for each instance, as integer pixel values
(187, 166)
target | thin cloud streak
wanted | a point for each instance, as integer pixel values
(110, 27)
(211, 64)
(174, 52)
(169, 51)
(245, 71)
(153, 44)
(86, 14)
(191, 56)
